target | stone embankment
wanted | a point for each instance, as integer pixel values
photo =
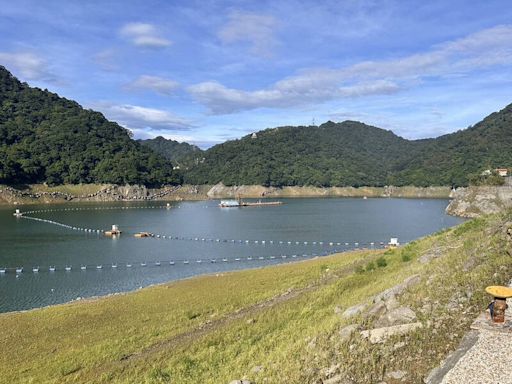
(476, 201)
(43, 194)
(38, 194)
(257, 191)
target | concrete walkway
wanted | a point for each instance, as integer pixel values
(484, 356)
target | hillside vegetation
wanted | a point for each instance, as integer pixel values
(285, 323)
(47, 138)
(355, 154)
(179, 153)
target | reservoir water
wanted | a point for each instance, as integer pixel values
(194, 238)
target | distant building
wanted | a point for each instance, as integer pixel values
(487, 172)
(502, 172)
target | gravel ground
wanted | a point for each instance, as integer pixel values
(487, 362)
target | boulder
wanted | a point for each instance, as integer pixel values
(380, 335)
(347, 331)
(353, 311)
(400, 315)
(397, 375)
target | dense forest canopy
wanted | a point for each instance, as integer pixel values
(47, 138)
(172, 150)
(355, 154)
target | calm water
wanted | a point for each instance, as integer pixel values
(235, 238)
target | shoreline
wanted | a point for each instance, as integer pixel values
(96, 298)
(41, 194)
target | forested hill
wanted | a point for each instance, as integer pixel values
(171, 149)
(354, 154)
(47, 138)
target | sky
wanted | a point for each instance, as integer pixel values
(209, 71)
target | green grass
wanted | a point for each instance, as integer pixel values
(281, 319)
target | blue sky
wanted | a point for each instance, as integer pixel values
(209, 71)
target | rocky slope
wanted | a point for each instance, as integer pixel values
(476, 201)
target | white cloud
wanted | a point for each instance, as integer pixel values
(144, 35)
(255, 29)
(477, 51)
(27, 65)
(140, 118)
(153, 83)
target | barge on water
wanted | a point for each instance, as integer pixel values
(240, 203)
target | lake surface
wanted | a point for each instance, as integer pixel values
(199, 238)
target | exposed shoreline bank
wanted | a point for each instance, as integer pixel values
(41, 194)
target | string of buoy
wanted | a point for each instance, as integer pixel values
(356, 244)
(159, 263)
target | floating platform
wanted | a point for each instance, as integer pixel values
(240, 203)
(143, 234)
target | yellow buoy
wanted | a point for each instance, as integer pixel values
(499, 291)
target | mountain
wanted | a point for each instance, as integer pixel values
(47, 138)
(355, 154)
(172, 150)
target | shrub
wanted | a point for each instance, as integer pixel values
(381, 262)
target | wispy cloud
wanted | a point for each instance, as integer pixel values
(139, 118)
(481, 50)
(255, 29)
(157, 84)
(106, 59)
(27, 65)
(144, 35)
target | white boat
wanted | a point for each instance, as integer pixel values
(83, 267)
(157, 263)
(171, 262)
(68, 268)
(2, 270)
(52, 269)
(143, 264)
(19, 269)
(199, 261)
(224, 260)
(99, 266)
(185, 262)
(114, 265)
(35, 269)
(128, 265)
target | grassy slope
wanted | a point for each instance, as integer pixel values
(214, 329)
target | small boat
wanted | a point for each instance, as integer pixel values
(128, 265)
(225, 260)
(68, 268)
(272, 257)
(52, 269)
(143, 264)
(158, 264)
(99, 266)
(35, 269)
(171, 262)
(114, 265)
(261, 258)
(83, 267)
(249, 258)
(199, 261)
(2, 270)
(284, 257)
(19, 269)
(185, 262)
(237, 259)
(213, 261)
